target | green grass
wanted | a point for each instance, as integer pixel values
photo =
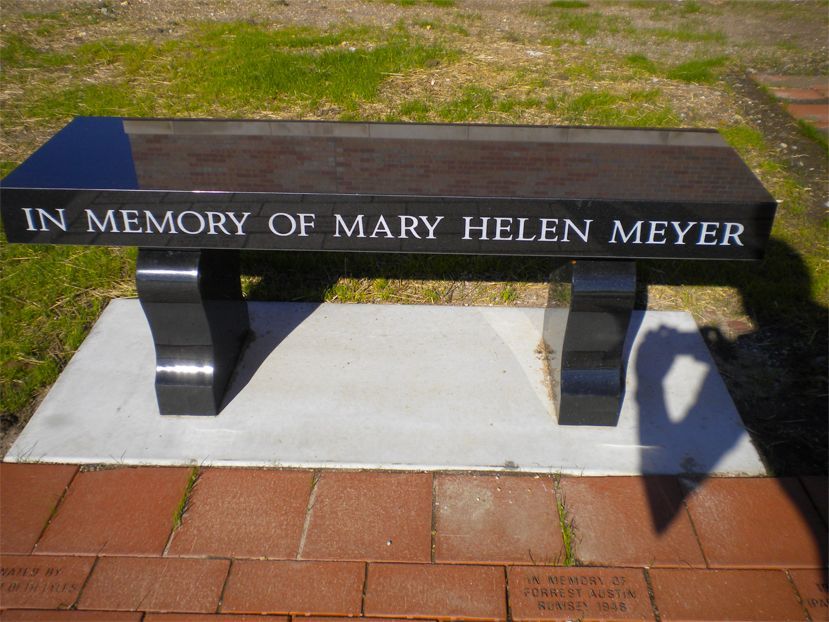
(744, 139)
(637, 108)
(474, 103)
(690, 7)
(698, 70)
(702, 70)
(91, 100)
(642, 63)
(577, 26)
(665, 9)
(508, 295)
(238, 66)
(811, 132)
(414, 110)
(6, 167)
(568, 4)
(18, 51)
(567, 526)
(231, 69)
(65, 289)
(514, 104)
(181, 508)
(438, 3)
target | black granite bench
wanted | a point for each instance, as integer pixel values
(191, 193)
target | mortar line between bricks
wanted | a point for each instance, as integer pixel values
(507, 604)
(800, 599)
(433, 531)
(55, 509)
(315, 478)
(83, 585)
(365, 589)
(651, 595)
(691, 520)
(224, 587)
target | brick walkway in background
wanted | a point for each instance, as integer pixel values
(806, 98)
(102, 544)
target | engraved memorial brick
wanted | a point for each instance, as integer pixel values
(813, 587)
(42, 582)
(563, 593)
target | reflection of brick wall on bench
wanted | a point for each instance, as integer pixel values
(568, 170)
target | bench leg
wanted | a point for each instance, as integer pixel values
(591, 383)
(199, 322)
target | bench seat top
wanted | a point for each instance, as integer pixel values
(581, 191)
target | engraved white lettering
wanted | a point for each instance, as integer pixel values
(569, 224)
(681, 233)
(521, 238)
(45, 217)
(166, 223)
(431, 227)
(181, 220)
(306, 221)
(657, 229)
(274, 228)
(708, 233)
(216, 220)
(29, 219)
(548, 225)
(635, 230)
(503, 228)
(468, 227)
(130, 218)
(733, 230)
(410, 227)
(239, 222)
(107, 225)
(384, 226)
(356, 225)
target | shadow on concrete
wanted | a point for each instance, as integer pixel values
(260, 344)
(774, 365)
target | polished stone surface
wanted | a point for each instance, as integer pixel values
(397, 387)
(389, 187)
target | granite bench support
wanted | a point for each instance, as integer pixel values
(199, 323)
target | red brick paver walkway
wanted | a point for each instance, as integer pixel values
(256, 544)
(806, 98)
